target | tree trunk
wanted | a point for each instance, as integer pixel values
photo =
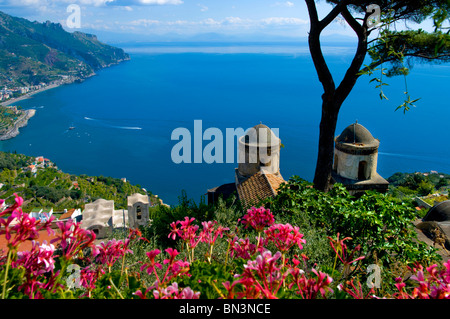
(333, 96)
(322, 176)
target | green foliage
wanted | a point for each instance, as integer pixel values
(52, 188)
(163, 216)
(31, 52)
(14, 279)
(208, 278)
(116, 285)
(418, 184)
(380, 224)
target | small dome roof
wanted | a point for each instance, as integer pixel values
(439, 212)
(261, 134)
(357, 134)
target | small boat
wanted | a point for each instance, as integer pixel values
(72, 127)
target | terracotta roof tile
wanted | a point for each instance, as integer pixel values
(275, 181)
(68, 214)
(258, 187)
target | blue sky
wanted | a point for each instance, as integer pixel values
(132, 20)
(258, 19)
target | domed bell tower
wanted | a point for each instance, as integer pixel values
(356, 159)
(259, 149)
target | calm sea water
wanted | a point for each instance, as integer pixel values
(124, 116)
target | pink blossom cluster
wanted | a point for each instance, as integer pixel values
(310, 287)
(171, 292)
(434, 284)
(356, 291)
(188, 231)
(174, 269)
(37, 263)
(284, 236)
(112, 251)
(242, 248)
(72, 239)
(38, 260)
(19, 226)
(258, 218)
(267, 274)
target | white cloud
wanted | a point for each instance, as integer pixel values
(228, 21)
(144, 22)
(288, 4)
(55, 3)
(158, 2)
(284, 21)
(203, 8)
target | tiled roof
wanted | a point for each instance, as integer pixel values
(258, 187)
(68, 214)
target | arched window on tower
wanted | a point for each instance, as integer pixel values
(362, 170)
(138, 213)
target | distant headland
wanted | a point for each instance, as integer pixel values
(41, 56)
(12, 120)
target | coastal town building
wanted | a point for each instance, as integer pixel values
(101, 217)
(356, 159)
(41, 213)
(138, 210)
(73, 214)
(257, 176)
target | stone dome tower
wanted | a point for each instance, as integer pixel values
(356, 153)
(259, 149)
(356, 159)
(257, 176)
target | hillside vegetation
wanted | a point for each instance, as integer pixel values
(33, 52)
(49, 187)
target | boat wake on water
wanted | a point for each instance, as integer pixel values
(105, 124)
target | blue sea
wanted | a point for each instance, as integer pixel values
(125, 115)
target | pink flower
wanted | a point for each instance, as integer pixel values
(341, 250)
(38, 260)
(262, 276)
(73, 239)
(150, 268)
(25, 227)
(187, 231)
(258, 218)
(310, 287)
(174, 231)
(242, 248)
(18, 202)
(173, 292)
(113, 250)
(172, 253)
(210, 233)
(285, 236)
(88, 278)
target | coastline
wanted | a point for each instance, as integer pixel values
(21, 122)
(28, 95)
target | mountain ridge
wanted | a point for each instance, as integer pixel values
(34, 52)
